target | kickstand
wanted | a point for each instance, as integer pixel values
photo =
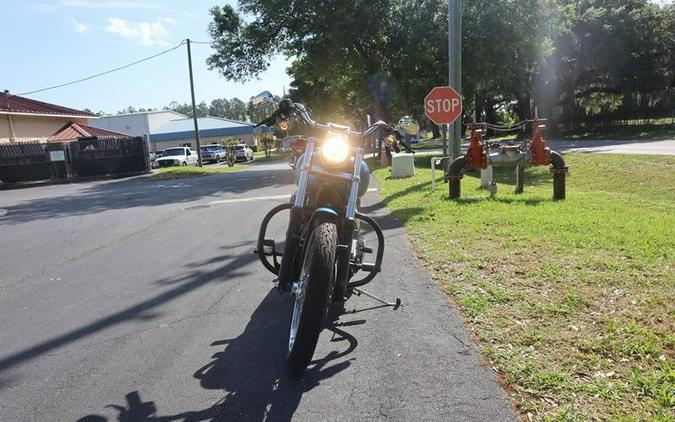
(395, 305)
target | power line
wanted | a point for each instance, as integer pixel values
(104, 73)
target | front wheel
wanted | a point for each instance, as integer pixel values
(312, 294)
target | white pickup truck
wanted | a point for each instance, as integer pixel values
(179, 156)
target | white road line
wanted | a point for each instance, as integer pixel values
(255, 198)
(259, 198)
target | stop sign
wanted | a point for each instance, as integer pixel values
(443, 105)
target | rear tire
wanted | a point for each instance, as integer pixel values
(318, 276)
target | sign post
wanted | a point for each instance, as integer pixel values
(455, 65)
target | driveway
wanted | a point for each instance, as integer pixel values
(665, 147)
(140, 300)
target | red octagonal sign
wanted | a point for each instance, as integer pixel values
(443, 105)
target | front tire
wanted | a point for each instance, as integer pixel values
(312, 294)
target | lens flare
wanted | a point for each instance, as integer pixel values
(335, 151)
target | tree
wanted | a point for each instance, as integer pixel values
(619, 59)
(219, 107)
(574, 59)
(127, 110)
(237, 110)
(352, 46)
(186, 109)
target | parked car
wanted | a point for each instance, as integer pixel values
(179, 156)
(153, 158)
(243, 152)
(213, 153)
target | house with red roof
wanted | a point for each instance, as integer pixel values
(73, 131)
(24, 119)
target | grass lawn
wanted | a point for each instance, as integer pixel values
(275, 155)
(572, 302)
(191, 171)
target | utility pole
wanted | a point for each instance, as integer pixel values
(455, 69)
(194, 105)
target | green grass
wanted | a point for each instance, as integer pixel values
(275, 155)
(571, 301)
(191, 171)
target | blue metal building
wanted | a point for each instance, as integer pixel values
(211, 130)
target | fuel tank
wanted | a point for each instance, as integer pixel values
(347, 168)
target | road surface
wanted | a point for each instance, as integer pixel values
(647, 147)
(664, 147)
(140, 300)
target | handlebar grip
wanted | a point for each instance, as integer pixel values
(270, 121)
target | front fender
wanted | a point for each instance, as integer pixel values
(325, 211)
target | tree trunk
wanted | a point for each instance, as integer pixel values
(522, 108)
(490, 114)
(479, 103)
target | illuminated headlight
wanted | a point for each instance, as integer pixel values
(335, 151)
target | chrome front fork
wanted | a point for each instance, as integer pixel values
(293, 231)
(304, 175)
(356, 181)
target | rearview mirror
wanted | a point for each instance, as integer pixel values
(408, 125)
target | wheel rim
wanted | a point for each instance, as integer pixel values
(299, 289)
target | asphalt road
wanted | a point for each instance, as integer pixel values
(662, 147)
(139, 300)
(644, 147)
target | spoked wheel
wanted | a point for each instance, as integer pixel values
(312, 293)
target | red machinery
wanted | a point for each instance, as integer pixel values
(529, 152)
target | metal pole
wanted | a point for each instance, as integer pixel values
(194, 105)
(455, 65)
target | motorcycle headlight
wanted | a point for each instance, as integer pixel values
(335, 151)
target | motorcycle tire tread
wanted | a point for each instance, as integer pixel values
(322, 247)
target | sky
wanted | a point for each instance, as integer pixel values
(48, 42)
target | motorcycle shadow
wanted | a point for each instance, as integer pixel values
(252, 368)
(252, 372)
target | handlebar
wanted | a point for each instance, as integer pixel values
(287, 107)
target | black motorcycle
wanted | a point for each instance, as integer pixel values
(324, 248)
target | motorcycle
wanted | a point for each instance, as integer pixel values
(324, 245)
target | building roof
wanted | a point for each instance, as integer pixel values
(14, 104)
(181, 125)
(208, 127)
(74, 131)
(138, 113)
